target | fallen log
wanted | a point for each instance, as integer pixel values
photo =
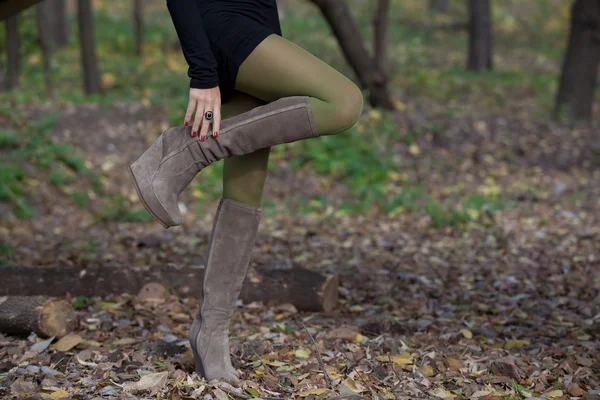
(307, 290)
(21, 315)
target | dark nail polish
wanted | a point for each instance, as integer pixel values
(193, 133)
(202, 139)
(186, 124)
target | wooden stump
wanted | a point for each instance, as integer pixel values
(21, 315)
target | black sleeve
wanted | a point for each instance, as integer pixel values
(194, 43)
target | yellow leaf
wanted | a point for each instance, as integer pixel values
(125, 341)
(275, 363)
(375, 115)
(414, 149)
(357, 308)
(302, 353)
(58, 394)
(516, 343)
(554, 393)
(108, 80)
(427, 370)
(351, 384)
(66, 343)
(313, 391)
(279, 316)
(395, 359)
(33, 59)
(359, 338)
(400, 106)
(443, 393)
(466, 333)
(259, 372)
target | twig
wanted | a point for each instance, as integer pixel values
(245, 397)
(321, 363)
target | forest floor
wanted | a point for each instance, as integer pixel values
(464, 226)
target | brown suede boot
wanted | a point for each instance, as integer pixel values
(170, 164)
(232, 240)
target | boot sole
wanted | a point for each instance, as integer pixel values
(139, 193)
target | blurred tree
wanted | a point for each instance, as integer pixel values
(58, 12)
(575, 96)
(369, 70)
(91, 76)
(46, 30)
(441, 6)
(138, 24)
(12, 53)
(480, 35)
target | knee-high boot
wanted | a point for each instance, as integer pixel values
(232, 239)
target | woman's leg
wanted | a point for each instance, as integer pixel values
(278, 68)
(244, 176)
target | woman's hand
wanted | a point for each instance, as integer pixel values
(203, 100)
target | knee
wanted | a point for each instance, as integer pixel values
(349, 107)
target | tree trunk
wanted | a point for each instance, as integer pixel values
(21, 315)
(60, 30)
(379, 95)
(307, 290)
(12, 53)
(138, 24)
(338, 16)
(45, 29)
(91, 76)
(441, 6)
(480, 35)
(580, 67)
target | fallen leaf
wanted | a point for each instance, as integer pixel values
(42, 345)
(443, 393)
(554, 393)
(427, 370)
(152, 382)
(395, 359)
(575, 390)
(414, 149)
(317, 392)
(347, 333)
(302, 353)
(58, 394)
(66, 343)
(454, 364)
(516, 343)
(125, 341)
(466, 333)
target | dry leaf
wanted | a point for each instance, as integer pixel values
(443, 393)
(302, 353)
(124, 341)
(66, 343)
(400, 359)
(466, 333)
(151, 382)
(554, 393)
(58, 394)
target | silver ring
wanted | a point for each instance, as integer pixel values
(208, 115)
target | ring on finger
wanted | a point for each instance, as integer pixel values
(208, 115)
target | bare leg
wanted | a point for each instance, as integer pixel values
(279, 68)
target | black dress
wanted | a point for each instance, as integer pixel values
(217, 35)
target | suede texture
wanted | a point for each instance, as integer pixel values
(232, 240)
(176, 158)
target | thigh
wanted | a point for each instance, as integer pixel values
(279, 68)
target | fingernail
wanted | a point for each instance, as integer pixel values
(193, 133)
(215, 134)
(186, 124)
(202, 139)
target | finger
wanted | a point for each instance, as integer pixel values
(216, 120)
(205, 125)
(190, 111)
(198, 119)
